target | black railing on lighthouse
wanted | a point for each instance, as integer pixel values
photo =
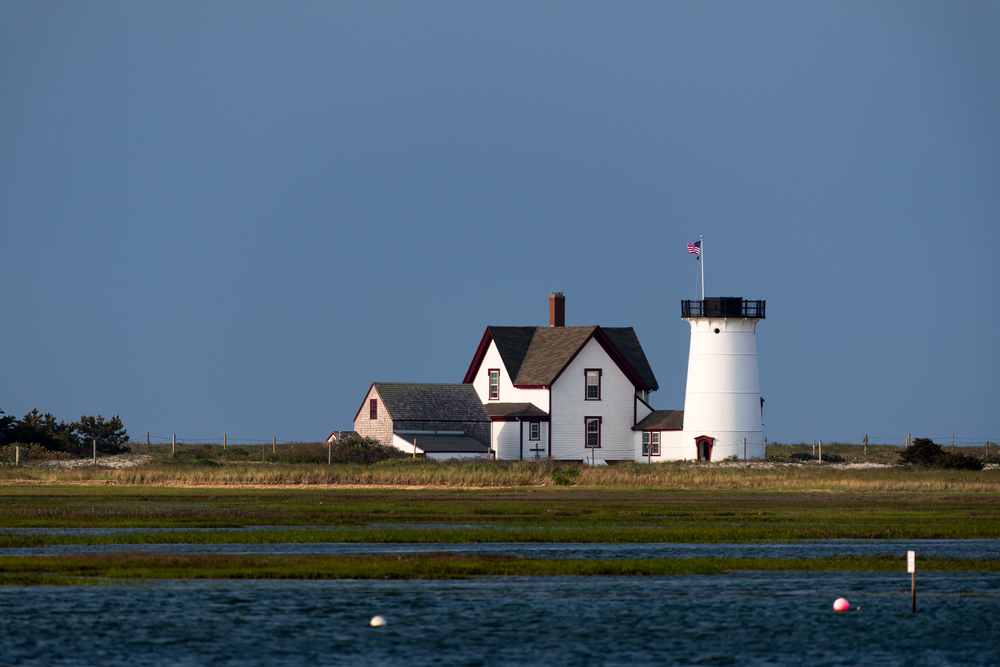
(723, 306)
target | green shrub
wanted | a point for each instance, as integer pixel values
(565, 476)
(925, 452)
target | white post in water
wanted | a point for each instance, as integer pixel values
(722, 397)
(911, 567)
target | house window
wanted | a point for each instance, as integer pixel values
(373, 409)
(650, 443)
(593, 384)
(534, 431)
(593, 431)
(494, 384)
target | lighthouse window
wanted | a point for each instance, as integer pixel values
(593, 384)
(593, 431)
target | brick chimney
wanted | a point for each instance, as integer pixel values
(557, 310)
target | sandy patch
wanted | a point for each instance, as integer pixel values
(117, 462)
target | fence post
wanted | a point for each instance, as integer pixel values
(17, 455)
(147, 442)
(224, 441)
(263, 452)
(274, 445)
(820, 451)
(329, 452)
(866, 444)
(173, 445)
(952, 442)
(95, 451)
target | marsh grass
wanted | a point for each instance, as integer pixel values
(537, 514)
(115, 568)
(503, 474)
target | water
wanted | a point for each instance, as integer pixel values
(742, 618)
(802, 549)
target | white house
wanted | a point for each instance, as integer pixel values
(569, 393)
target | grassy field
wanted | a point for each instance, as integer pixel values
(211, 466)
(123, 567)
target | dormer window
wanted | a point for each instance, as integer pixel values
(373, 408)
(593, 384)
(494, 384)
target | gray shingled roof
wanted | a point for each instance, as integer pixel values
(515, 410)
(432, 402)
(444, 443)
(550, 350)
(535, 355)
(627, 342)
(661, 420)
(512, 344)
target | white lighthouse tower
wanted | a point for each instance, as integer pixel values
(722, 404)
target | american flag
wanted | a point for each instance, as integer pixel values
(695, 249)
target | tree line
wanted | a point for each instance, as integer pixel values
(75, 438)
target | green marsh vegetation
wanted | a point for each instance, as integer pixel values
(115, 568)
(542, 514)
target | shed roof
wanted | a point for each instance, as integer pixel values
(444, 443)
(515, 410)
(432, 402)
(661, 420)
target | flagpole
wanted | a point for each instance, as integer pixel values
(702, 240)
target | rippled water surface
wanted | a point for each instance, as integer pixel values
(739, 618)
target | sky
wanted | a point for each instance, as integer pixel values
(232, 217)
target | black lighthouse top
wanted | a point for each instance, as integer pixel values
(723, 306)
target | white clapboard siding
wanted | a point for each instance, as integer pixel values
(507, 440)
(541, 444)
(508, 393)
(616, 409)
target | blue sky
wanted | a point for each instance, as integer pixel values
(232, 217)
